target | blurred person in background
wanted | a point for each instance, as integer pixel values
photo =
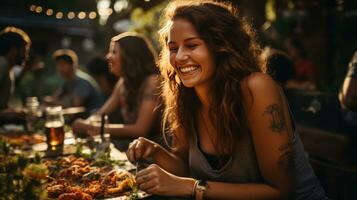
(348, 93)
(98, 68)
(79, 89)
(133, 60)
(14, 49)
(304, 69)
(278, 65)
(28, 79)
(348, 101)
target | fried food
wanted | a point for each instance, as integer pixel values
(77, 178)
(36, 171)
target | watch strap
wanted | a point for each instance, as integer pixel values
(200, 189)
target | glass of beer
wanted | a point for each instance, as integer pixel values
(54, 126)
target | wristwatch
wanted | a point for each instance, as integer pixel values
(200, 189)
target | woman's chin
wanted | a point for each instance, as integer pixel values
(117, 74)
(188, 84)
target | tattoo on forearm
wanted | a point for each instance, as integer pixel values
(286, 160)
(277, 120)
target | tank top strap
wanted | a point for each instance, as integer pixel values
(293, 122)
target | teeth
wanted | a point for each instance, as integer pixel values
(187, 69)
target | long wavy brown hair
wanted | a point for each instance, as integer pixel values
(138, 61)
(232, 42)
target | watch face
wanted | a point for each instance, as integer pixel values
(202, 182)
(201, 188)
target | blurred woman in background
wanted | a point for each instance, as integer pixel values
(131, 58)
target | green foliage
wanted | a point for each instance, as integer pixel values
(146, 22)
(134, 193)
(100, 158)
(14, 184)
(104, 159)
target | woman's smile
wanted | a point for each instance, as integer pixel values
(190, 55)
(188, 70)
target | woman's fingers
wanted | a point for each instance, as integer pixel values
(92, 130)
(148, 185)
(130, 153)
(147, 152)
(142, 173)
(143, 178)
(153, 190)
(138, 149)
(147, 178)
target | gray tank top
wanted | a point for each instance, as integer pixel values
(242, 167)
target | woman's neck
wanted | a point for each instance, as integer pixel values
(203, 94)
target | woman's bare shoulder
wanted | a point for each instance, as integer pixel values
(119, 84)
(151, 88)
(152, 83)
(153, 80)
(258, 80)
(259, 86)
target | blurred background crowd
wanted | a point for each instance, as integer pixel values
(318, 36)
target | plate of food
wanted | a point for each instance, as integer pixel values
(73, 177)
(24, 140)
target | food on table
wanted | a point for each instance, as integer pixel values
(74, 177)
(24, 140)
(36, 171)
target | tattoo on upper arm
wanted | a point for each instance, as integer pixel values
(277, 119)
(286, 160)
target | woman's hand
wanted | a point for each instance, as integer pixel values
(141, 148)
(155, 180)
(77, 126)
(81, 126)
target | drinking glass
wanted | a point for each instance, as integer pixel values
(54, 126)
(99, 136)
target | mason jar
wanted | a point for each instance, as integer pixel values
(54, 126)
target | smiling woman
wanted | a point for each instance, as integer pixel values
(232, 134)
(189, 54)
(132, 59)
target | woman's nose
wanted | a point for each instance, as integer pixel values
(181, 55)
(107, 56)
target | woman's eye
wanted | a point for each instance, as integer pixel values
(192, 46)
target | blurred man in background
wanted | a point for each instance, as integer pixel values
(14, 49)
(79, 89)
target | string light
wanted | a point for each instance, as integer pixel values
(92, 15)
(120, 5)
(104, 11)
(71, 15)
(49, 12)
(32, 8)
(59, 15)
(81, 15)
(38, 9)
